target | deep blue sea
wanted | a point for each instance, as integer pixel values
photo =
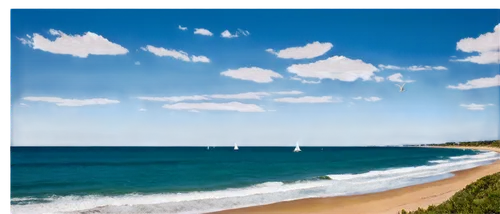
(197, 179)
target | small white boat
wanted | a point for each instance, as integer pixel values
(297, 148)
(235, 147)
(208, 147)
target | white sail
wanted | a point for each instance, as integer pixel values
(235, 147)
(297, 148)
(208, 147)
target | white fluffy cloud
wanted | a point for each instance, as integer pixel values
(483, 58)
(487, 46)
(72, 102)
(76, 45)
(175, 98)
(203, 31)
(159, 51)
(484, 43)
(398, 77)
(308, 51)
(309, 99)
(231, 106)
(248, 95)
(252, 74)
(475, 107)
(227, 34)
(310, 82)
(288, 92)
(200, 59)
(390, 67)
(368, 99)
(336, 67)
(485, 82)
(182, 28)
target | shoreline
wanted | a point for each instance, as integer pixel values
(493, 149)
(386, 202)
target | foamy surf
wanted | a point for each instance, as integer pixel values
(439, 161)
(259, 194)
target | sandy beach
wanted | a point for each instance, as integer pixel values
(387, 202)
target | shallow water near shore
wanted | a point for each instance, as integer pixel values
(195, 180)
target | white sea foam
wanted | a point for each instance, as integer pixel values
(483, 155)
(375, 173)
(68, 204)
(376, 180)
(439, 161)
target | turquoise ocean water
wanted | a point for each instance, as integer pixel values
(197, 179)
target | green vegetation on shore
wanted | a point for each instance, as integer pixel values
(480, 197)
(488, 143)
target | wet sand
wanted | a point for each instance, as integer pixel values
(387, 202)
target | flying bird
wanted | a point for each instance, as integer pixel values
(401, 87)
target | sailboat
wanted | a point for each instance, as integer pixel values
(208, 147)
(235, 147)
(297, 148)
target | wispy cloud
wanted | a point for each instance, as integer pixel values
(255, 74)
(439, 68)
(288, 92)
(182, 28)
(372, 99)
(398, 77)
(142, 109)
(478, 83)
(368, 99)
(309, 99)
(200, 59)
(175, 98)
(248, 95)
(378, 79)
(231, 106)
(137, 63)
(159, 51)
(390, 67)
(310, 82)
(420, 68)
(475, 107)
(72, 102)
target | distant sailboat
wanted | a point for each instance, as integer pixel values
(235, 147)
(297, 148)
(208, 147)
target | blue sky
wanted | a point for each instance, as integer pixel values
(321, 77)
